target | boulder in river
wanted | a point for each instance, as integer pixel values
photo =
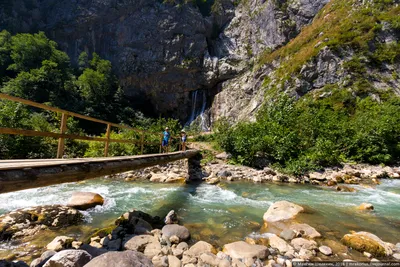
(85, 200)
(343, 188)
(282, 210)
(69, 258)
(241, 250)
(366, 206)
(199, 248)
(325, 250)
(279, 244)
(171, 218)
(364, 241)
(126, 258)
(29, 221)
(173, 229)
(305, 230)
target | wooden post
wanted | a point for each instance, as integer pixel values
(63, 129)
(142, 143)
(108, 140)
(161, 139)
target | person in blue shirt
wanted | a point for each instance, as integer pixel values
(166, 139)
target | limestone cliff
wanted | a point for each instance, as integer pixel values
(164, 51)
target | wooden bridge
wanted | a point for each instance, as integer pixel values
(30, 173)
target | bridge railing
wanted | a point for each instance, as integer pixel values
(62, 135)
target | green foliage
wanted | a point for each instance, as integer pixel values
(32, 67)
(304, 135)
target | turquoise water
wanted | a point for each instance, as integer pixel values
(229, 212)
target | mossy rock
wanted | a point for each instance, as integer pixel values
(101, 232)
(363, 243)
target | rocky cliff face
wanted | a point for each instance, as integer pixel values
(163, 51)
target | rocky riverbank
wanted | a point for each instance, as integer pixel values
(218, 170)
(139, 239)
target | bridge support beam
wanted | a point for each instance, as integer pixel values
(20, 174)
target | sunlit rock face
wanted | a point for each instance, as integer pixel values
(163, 52)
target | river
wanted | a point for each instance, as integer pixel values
(227, 212)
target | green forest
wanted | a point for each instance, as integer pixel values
(33, 68)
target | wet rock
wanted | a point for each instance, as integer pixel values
(171, 218)
(174, 229)
(69, 258)
(126, 258)
(287, 234)
(241, 249)
(331, 183)
(325, 250)
(60, 242)
(85, 200)
(29, 221)
(305, 230)
(282, 210)
(299, 243)
(343, 188)
(366, 206)
(364, 241)
(138, 222)
(139, 243)
(213, 181)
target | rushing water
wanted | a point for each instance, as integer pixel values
(229, 212)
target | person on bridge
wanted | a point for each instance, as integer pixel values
(183, 140)
(165, 140)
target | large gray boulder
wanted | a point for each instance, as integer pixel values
(281, 211)
(39, 262)
(69, 258)
(85, 200)
(126, 258)
(178, 230)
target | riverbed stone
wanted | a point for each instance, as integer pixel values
(343, 188)
(287, 234)
(126, 258)
(208, 259)
(173, 229)
(241, 249)
(364, 241)
(85, 200)
(199, 248)
(30, 221)
(279, 244)
(396, 256)
(139, 243)
(69, 258)
(282, 210)
(305, 230)
(366, 206)
(174, 261)
(325, 250)
(305, 254)
(39, 262)
(299, 243)
(60, 242)
(171, 218)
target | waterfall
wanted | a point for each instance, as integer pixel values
(198, 106)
